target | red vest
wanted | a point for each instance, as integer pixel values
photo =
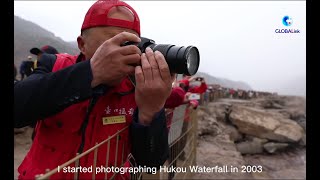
(58, 137)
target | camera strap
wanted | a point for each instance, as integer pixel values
(133, 81)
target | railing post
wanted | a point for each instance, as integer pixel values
(76, 174)
(95, 162)
(107, 159)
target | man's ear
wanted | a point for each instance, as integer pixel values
(81, 44)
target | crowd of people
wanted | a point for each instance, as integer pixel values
(216, 91)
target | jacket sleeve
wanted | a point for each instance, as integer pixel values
(150, 143)
(45, 93)
(176, 98)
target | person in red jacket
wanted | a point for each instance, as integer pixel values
(78, 101)
(192, 104)
(185, 84)
(176, 98)
(231, 92)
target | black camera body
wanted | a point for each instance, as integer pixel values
(180, 59)
(199, 78)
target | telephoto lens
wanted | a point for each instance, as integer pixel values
(180, 59)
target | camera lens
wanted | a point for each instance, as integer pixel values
(180, 59)
(193, 60)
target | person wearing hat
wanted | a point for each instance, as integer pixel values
(38, 52)
(26, 68)
(71, 97)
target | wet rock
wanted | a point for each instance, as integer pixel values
(303, 141)
(224, 148)
(265, 124)
(271, 105)
(273, 147)
(290, 164)
(249, 147)
(254, 146)
(233, 133)
(288, 131)
(295, 114)
(221, 151)
(208, 126)
(218, 110)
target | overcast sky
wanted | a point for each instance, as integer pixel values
(236, 40)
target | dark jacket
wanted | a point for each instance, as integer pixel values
(45, 93)
(26, 67)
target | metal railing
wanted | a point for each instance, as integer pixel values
(119, 159)
(182, 143)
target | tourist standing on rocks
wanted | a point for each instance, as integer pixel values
(232, 92)
(250, 94)
(227, 113)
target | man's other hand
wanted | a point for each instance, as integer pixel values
(153, 85)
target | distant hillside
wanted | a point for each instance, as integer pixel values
(73, 43)
(28, 35)
(224, 82)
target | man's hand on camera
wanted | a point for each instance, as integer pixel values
(112, 62)
(153, 85)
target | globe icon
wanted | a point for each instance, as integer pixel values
(287, 21)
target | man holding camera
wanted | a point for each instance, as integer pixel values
(72, 97)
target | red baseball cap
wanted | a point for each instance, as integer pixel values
(97, 15)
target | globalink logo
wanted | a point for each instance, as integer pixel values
(287, 21)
